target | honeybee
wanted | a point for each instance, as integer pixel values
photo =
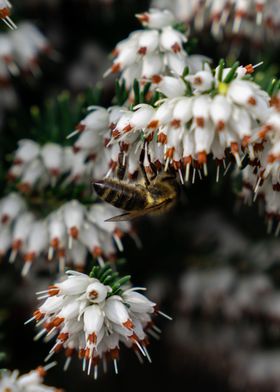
(154, 196)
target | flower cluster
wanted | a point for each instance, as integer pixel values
(67, 234)
(261, 178)
(36, 167)
(5, 11)
(94, 143)
(20, 52)
(29, 382)
(206, 112)
(159, 49)
(253, 19)
(222, 291)
(91, 315)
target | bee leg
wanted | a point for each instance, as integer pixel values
(141, 164)
(121, 166)
(152, 165)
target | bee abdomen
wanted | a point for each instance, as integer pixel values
(121, 195)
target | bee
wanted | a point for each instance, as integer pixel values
(154, 197)
(148, 196)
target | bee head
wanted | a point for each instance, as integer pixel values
(99, 187)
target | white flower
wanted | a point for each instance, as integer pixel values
(264, 176)
(32, 176)
(20, 232)
(172, 40)
(67, 234)
(5, 241)
(74, 217)
(5, 6)
(254, 19)
(202, 80)
(152, 53)
(52, 155)
(29, 382)
(27, 151)
(219, 113)
(11, 206)
(36, 243)
(95, 121)
(155, 19)
(92, 318)
(57, 231)
(171, 87)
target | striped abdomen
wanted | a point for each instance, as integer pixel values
(122, 195)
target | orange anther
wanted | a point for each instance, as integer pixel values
(74, 232)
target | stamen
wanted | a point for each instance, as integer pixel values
(153, 334)
(193, 176)
(164, 315)
(49, 356)
(50, 366)
(227, 169)
(147, 354)
(67, 363)
(13, 25)
(39, 335)
(116, 366)
(218, 173)
(26, 268)
(139, 356)
(181, 177)
(13, 256)
(95, 374)
(118, 242)
(70, 242)
(100, 261)
(157, 329)
(166, 164)
(30, 320)
(50, 253)
(139, 346)
(89, 365)
(187, 174)
(205, 170)
(84, 364)
(61, 264)
(237, 158)
(257, 185)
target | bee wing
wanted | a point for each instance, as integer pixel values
(137, 214)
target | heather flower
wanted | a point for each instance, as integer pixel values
(20, 50)
(33, 381)
(261, 178)
(252, 19)
(67, 234)
(158, 50)
(90, 316)
(209, 112)
(5, 7)
(36, 167)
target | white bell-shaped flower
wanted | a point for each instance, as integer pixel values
(96, 292)
(156, 19)
(27, 151)
(11, 206)
(52, 155)
(73, 213)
